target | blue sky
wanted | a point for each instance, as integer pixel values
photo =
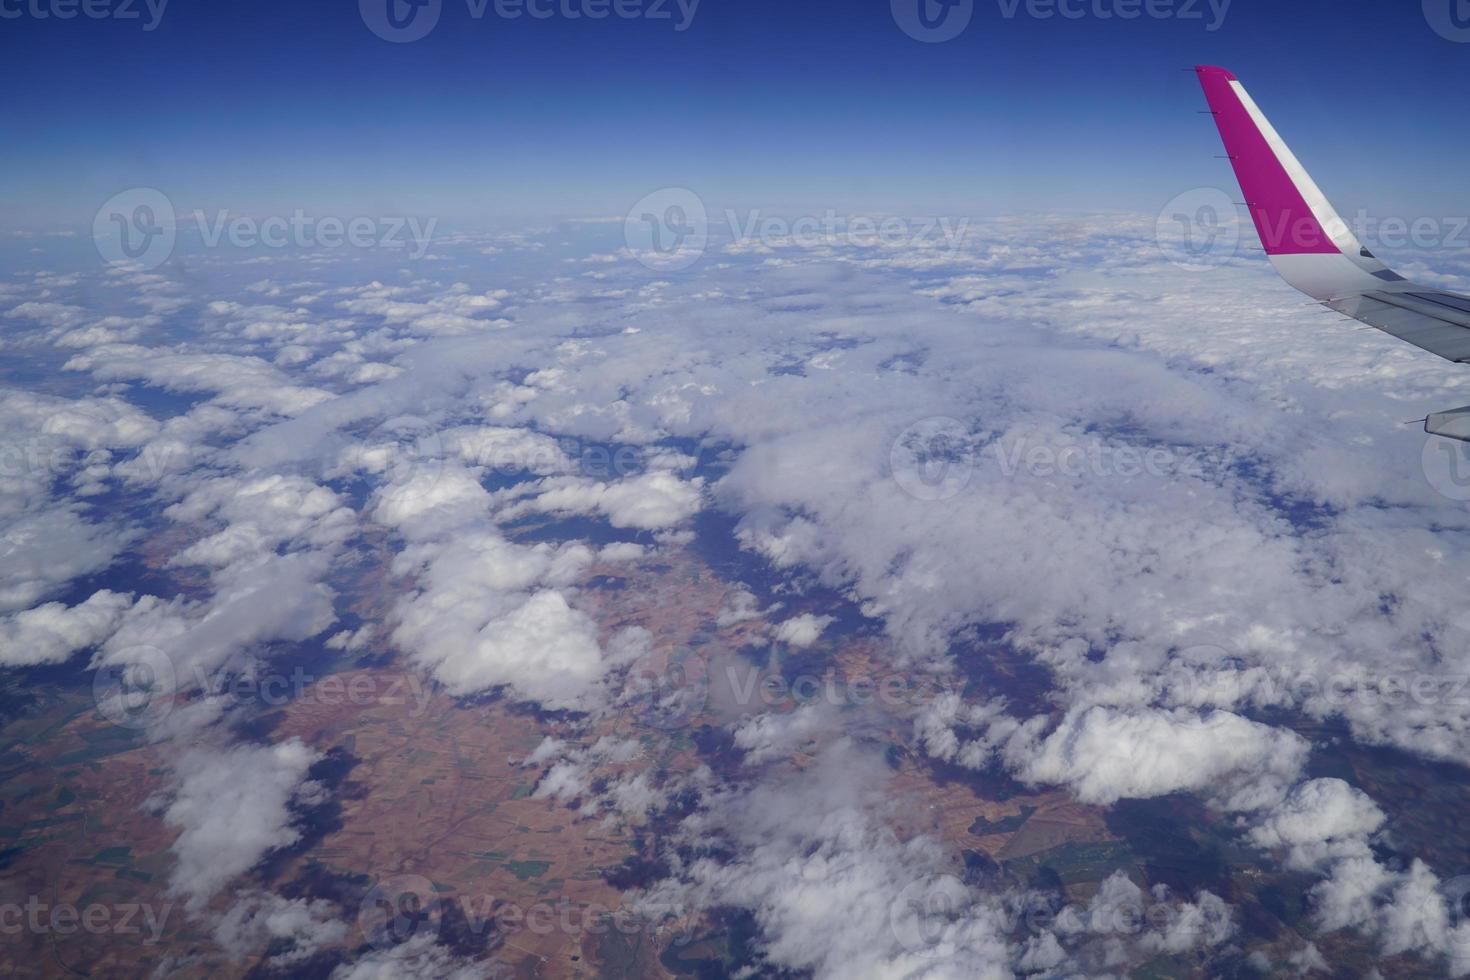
(270, 106)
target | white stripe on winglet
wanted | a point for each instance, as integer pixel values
(1326, 215)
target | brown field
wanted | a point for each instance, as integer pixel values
(436, 790)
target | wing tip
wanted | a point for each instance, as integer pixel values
(1216, 71)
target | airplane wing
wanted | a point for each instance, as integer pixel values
(1313, 249)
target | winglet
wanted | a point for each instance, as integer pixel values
(1306, 240)
(1291, 214)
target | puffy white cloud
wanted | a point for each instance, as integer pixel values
(1121, 912)
(739, 606)
(48, 538)
(1415, 918)
(431, 496)
(627, 790)
(620, 551)
(235, 380)
(51, 633)
(41, 552)
(508, 451)
(1319, 811)
(774, 735)
(455, 311)
(937, 730)
(189, 642)
(833, 889)
(546, 649)
(1203, 923)
(1107, 755)
(1308, 959)
(1164, 517)
(802, 631)
(649, 501)
(261, 514)
(260, 920)
(418, 958)
(487, 612)
(232, 807)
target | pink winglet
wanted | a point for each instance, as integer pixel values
(1283, 219)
